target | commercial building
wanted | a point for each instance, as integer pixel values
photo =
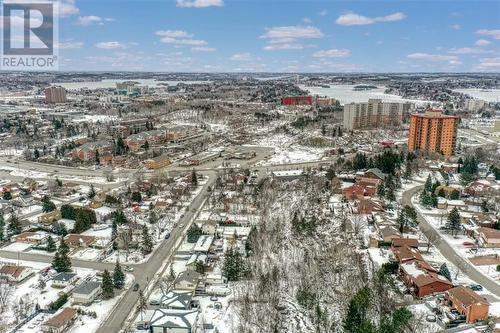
(374, 114)
(55, 95)
(297, 100)
(433, 132)
(474, 105)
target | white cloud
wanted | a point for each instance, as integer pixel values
(67, 8)
(306, 20)
(356, 19)
(199, 3)
(203, 49)
(482, 42)
(487, 64)
(333, 53)
(70, 45)
(324, 12)
(293, 32)
(286, 38)
(89, 20)
(468, 50)
(455, 26)
(452, 60)
(173, 33)
(183, 41)
(110, 45)
(492, 33)
(284, 46)
(242, 57)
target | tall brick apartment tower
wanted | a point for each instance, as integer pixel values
(433, 132)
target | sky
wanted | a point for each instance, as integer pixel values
(280, 35)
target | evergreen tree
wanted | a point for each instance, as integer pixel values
(146, 145)
(455, 195)
(7, 195)
(2, 227)
(68, 212)
(147, 242)
(114, 230)
(119, 217)
(142, 305)
(381, 190)
(234, 265)
(51, 244)
(118, 276)
(14, 227)
(92, 192)
(97, 157)
(330, 173)
(357, 319)
(428, 184)
(60, 229)
(194, 232)
(61, 261)
(453, 222)
(441, 193)
(107, 285)
(444, 271)
(194, 178)
(136, 197)
(47, 205)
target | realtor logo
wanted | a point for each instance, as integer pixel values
(29, 36)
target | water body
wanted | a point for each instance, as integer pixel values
(345, 93)
(489, 95)
(111, 83)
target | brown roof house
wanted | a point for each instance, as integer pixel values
(14, 274)
(489, 237)
(60, 321)
(473, 306)
(422, 279)
(78, 241)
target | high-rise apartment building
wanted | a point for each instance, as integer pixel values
(433, 132)
(374, 114)
(55, 95)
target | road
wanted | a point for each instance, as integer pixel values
(145, 272)
(448, 251)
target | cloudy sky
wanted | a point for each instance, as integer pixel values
(280, 35)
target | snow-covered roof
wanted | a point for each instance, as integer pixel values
(174, 318)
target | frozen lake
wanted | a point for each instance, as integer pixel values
(346, 94)
(489, 95)
(111, 83)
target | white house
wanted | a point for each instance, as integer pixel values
(86, 292)
(12, 273)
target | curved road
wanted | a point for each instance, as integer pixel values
(447, 250)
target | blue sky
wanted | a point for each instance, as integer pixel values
(280, 35)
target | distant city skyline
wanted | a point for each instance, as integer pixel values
(280, 36)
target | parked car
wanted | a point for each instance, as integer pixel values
(129, 269)
(468, 244)
(430, 318)
(167, 236)
(136, 287)
(214, 298)
(476, 287)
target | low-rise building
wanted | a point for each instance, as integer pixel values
(468, 303)
(60, 321)
(14, 274)
(62, 280)
(178, 321)
(86, 292)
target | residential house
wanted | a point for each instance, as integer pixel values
(62, 280)
(14, 274)
(31, 237)
(187, 280)
(86, 292)
(174, 300)
(468, 303)
(59, 322)
(170, 321)
(79, 241)
(405, 242)
(375, 173)
(50, 217)
(489, 237)
(422, 279)
(369, 206)
(136, 141)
